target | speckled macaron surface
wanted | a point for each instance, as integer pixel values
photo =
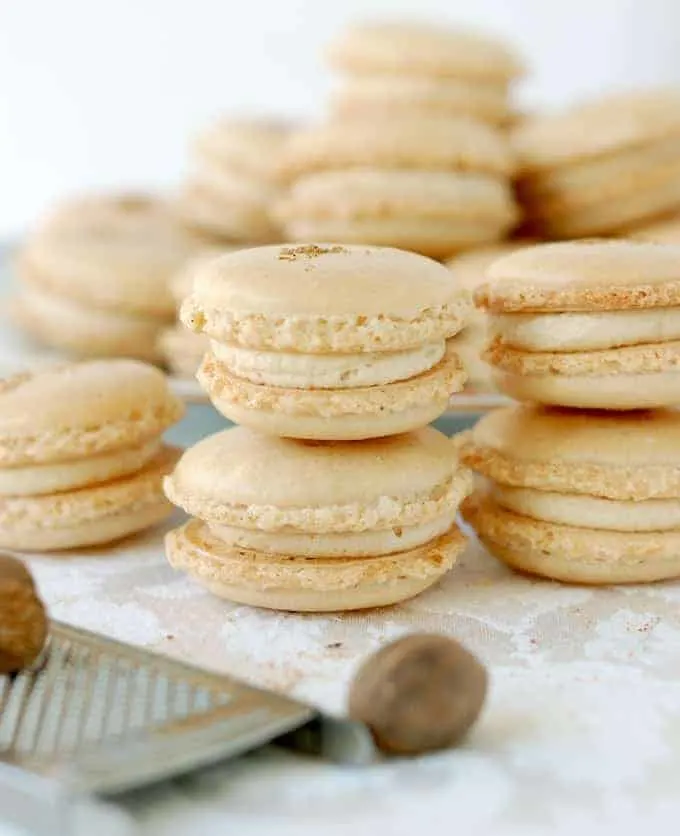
(81, 458)
(576, 496)
(327, 341)
(331, 526)
(603, 166)
(590, 324)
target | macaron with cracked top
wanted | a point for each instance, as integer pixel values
(580, 497)
(303, 526)
(326, 341)
(590, 324)
(81, 457)
(434, 185)
(601, 167)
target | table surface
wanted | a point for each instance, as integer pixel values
(581, 732)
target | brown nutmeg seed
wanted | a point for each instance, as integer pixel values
(418, 694)
(23, 621)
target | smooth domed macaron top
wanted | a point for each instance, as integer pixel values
(598, 127)
(324, 280)
(82, 409)
(470, 268)
(584, 275)
(182, 282)
(524, 432)
(419, 48)
(241, 467)
(430, 142)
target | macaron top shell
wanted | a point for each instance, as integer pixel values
(240, 477)
(596, 128)
(426, 143)
(325, 297)
(470, 268)
(584, 276)
(629, 455)
(82, 409)
(419, 48)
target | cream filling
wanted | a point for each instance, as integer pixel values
(586, 331)
(343, 544)
(38, 479)
(590, 511)
(327, 371)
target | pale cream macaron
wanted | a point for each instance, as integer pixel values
(581, 497)
(469, 271)
(94, 277)
(304, 526)
(413, 67)
(590, 324)
(81, 456)
(235, 179)
(328, 341)
(665, 230)
(434, 185)
(601, 167)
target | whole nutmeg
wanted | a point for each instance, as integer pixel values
(23, 622)
(419, 693)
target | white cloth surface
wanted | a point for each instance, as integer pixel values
(581, 732)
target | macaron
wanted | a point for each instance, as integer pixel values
(81, 456)
(94, 277)
(589, 324)
(326, 341)
(665, 230)
(301, 526)
(422, 49)
(234, 179)
(434, 185)
(583, 497)
(601, 167)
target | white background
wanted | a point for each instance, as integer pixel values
(106, 92)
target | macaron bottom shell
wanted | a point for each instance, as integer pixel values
(569, 553)
(299, 584)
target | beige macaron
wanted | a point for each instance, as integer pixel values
(328, 341)
(81, 457)
(434, 185)
(304, 526)
(590, 324)
(664, 230)
(601, 167)
(582, 497)
(235, 179)
(94, 277)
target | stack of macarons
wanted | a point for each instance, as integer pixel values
(332, 495)
(94, 278)
(81, 456)
(234, 179)
(600, 168)
(412, 155)
(436, 185)
(413, 70)
(587, 495)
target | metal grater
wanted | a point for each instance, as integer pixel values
(101, 717)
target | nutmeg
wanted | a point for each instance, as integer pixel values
(23, 621)
(419, 693)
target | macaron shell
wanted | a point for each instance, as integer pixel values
(422, 49)
(571, 554)
(91, 515)
(215, 213)
(338, 414)
(182, 350)
(628, 456)
(616, 391)
(583, 276)
(82, 330)
(309, 584)
(82, 409)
